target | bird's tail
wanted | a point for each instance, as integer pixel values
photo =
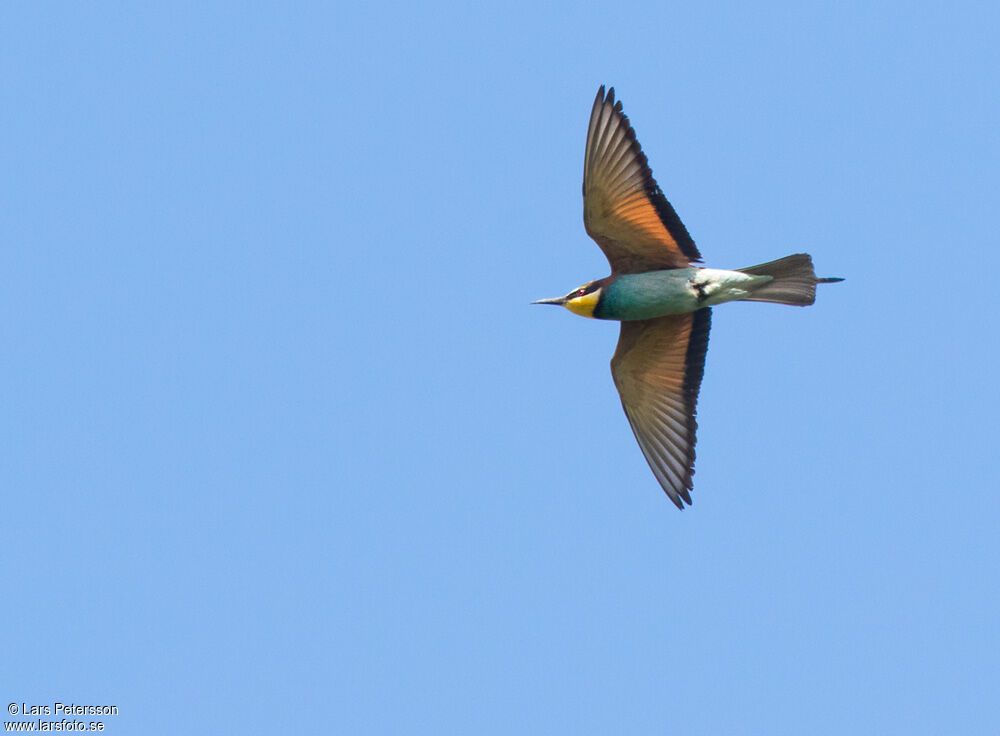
(793, 281)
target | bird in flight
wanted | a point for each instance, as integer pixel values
(661, 299)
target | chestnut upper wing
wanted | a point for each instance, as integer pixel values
(623, 207)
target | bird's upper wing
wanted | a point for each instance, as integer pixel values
(657, 368)
(623, 207)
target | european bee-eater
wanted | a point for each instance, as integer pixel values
(660, 298)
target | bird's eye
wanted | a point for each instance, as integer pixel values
(581, 292)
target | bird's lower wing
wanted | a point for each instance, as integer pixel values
(657, 368)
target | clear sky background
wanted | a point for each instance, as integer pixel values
(285, 449)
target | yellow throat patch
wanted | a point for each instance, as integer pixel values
(584, 305)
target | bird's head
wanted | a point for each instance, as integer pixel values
(582, 301)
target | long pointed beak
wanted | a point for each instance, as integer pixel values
(557, 300)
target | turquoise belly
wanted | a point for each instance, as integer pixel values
(647, 295)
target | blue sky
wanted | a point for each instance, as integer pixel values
(285, 448)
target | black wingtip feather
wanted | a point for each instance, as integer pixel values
(694, 370)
